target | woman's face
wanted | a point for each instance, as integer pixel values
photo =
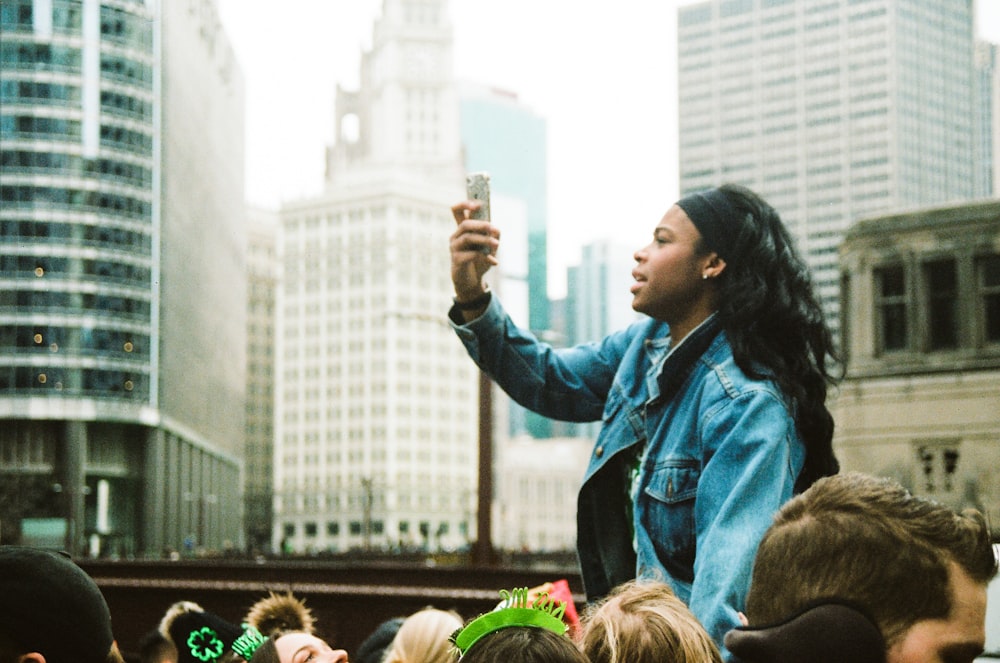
(306, 648)
(669, 270)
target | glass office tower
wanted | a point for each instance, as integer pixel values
(109, 289)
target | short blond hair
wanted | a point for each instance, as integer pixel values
(644, 622)
(423, 637)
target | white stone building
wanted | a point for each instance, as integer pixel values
(376, 400)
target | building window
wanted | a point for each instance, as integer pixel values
(289, 529)
(938, 461)
(310, 529)
(989, 293)
(333, 528)
(942, 301)
(890, 303)
(355, 527)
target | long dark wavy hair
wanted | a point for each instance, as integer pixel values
(776, 326)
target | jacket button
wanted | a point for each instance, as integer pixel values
(599, 451)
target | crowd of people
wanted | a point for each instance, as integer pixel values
(853, 569)
(714, 523)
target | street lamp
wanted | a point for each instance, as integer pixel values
(483, 553)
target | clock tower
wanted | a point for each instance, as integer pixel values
(405, 113)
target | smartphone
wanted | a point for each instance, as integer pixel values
(477, 187)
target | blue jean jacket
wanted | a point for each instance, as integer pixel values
(721, 453)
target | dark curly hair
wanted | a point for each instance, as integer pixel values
(775, 324)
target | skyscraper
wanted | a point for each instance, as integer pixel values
(122, 303)
(262, 284)
(831, 110)
(987, 119)
(376, 411)
(502, 135)
(598, 302)
(598, 291)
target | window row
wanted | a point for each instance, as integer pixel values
(125, 28)
(29, 127)
(18, 16)
(76, 234)
(74, 340)
(375, 527)
(920, 309)
(43, 57)
(32, 56)
(60, 267)
(49, 197)
(62, 163)
(92, 383)
(33, 127)
(39, 93)
(126, 105)
(70, 303)
(126, 70)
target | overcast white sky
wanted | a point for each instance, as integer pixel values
(602, 73)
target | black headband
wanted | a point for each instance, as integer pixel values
(714, 215)
(828, 631)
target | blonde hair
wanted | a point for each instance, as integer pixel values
(645, 622)
(424, 638)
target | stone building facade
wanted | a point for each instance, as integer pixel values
(921, 336)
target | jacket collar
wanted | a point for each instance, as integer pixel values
(680, 361)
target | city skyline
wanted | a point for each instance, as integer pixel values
(294, 59)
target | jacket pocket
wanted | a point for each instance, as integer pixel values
(668, 515)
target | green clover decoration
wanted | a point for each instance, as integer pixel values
(205, 644)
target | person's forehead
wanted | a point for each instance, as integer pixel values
(676, 220)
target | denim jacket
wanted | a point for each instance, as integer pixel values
(721, 453)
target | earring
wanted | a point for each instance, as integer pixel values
(704, 276)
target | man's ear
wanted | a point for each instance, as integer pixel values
(31, 657)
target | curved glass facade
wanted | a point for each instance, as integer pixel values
(76, 200)
(121, 420)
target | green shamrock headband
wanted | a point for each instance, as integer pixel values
(514, 610)
(247, 644)
(204, 643)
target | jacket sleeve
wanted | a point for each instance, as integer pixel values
(569, 384)
(752, 455)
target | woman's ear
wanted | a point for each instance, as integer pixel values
(714, 266)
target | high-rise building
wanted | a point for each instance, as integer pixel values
(987, 119)
(831, 110)
(122, 307)
(598, 293)
(503, 136)
(262, 284)
(376, 400)
(598, 302)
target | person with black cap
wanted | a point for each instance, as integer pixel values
(858, 569)
(51, 611)
(713, 408)
(278, 628)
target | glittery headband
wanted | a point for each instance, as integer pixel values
(515, 610)
(247, 644)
